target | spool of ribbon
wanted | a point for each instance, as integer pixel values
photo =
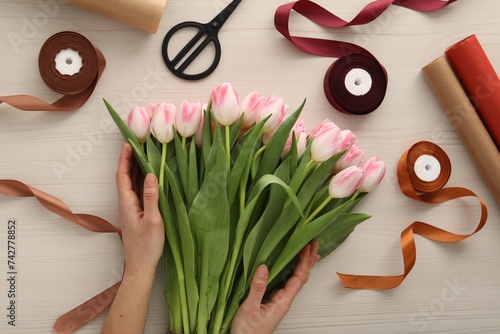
(358, 83)
(70, 65)
(90, 309)
(140, 14)
(423, 171)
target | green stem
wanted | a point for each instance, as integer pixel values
(311, 163)
(175, 247)
(228, 147)
(254, 160)
(303, 222)
(242, 197)
(318, 210)
(355, 195)
(162, 165)
(184, 307)
(183, 143)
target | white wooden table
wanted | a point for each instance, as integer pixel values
(454, 288)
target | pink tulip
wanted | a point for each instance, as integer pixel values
(251, 106)
(162, 125)
(188, 119)
(300, 136)
(139, 122)
(346, 182)
(198, 136)
(347, 140)
(353, 157)
(374, 170)
(151, 108)
(225, 104)
(326, 140)
(276, 107)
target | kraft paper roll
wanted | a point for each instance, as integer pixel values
(480, 80)
(141, 14)
(466, 122)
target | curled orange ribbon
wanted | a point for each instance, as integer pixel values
(90, 309)
(429, 192)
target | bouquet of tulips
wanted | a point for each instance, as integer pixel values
(242, 184)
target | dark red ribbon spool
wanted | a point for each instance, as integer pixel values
(350, 55)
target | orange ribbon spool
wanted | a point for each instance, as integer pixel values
(76, 88)
(90, 309)
(431, 192)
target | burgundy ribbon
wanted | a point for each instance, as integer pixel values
(343, 100)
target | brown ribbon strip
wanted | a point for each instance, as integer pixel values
(90, 309)
(430, 192)
(77, 88)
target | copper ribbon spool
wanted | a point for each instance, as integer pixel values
(428, 192)
(76, 88)
(90, 309)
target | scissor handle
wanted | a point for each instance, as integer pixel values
(176, 66)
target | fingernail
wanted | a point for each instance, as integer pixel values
(261, 271)
(150, 180)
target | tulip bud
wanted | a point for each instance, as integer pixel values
(199, 132)
(353, 157)
(188, 119)
(300, 133)
(225, 105)
(139, 122)
(275, 107)
(151, 108)
(347, 139)
(251, 106)
(326, 140)
(374, 170)
(346, 182)
(162, 125)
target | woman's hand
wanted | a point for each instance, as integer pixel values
(253, 317)
(142, 230)
(143, 238)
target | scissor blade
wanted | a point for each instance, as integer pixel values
(219, 20)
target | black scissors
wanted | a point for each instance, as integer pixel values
(209, 31)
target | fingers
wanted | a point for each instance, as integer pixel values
(307, 259)
(123, 180)
(150, 199)
(258, 287)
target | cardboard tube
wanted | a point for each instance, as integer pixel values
(480, 80)
(141, 14)
(466, 122)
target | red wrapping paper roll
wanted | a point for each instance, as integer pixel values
(480, 80)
